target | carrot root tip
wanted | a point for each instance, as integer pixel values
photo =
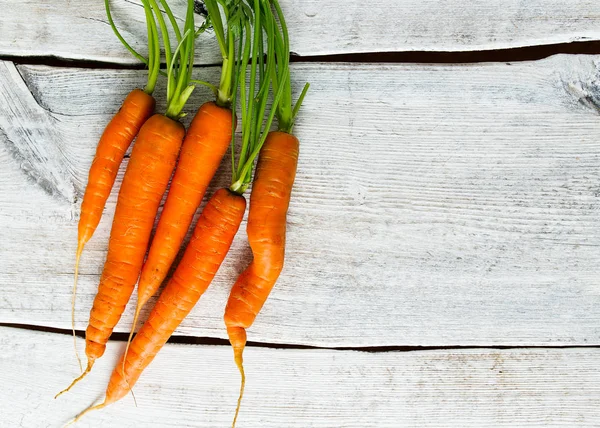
(239, 361)
(80, 246)
(237, 337)
(89, 409)
(87, 370)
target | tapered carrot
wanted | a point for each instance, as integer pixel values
(213, 235)
(114, 142)
(150, 167)
(269, 202)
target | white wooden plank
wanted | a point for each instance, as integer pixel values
(78, 30)
(434, 205)
(190, 385)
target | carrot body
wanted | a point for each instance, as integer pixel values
(269, 201)
(209, 245)
(114, 142)
(152, 162)
(205, 143)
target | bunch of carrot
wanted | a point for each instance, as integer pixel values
(254, 43)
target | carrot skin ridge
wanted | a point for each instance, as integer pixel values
(211, 240)
(150, 167)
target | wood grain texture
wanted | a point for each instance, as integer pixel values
(23, 125)
(434, 205)
(79, 30)
(197, 386)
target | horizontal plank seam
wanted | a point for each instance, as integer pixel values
(526, 53)
(59, 62)
(211, 341)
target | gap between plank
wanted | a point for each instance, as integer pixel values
(211, 341)
(527, 53)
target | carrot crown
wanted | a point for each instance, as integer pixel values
(181, 64)
(269, 80)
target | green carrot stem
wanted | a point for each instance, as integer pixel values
(172, 20)
(119, 36)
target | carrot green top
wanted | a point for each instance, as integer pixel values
(286, 111)
(179, 63)
(153, 54)
(269, 79)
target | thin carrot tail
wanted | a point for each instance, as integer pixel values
(87, 370)
(138, 309)
(239, 362)
(237, 338)
(89, 409)
(80, 245)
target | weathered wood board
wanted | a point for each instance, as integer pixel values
(434, 204)
(79, 29)
(197, 386)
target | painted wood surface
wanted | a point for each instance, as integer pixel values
(434, 205)
(192, 386)
(79, 29)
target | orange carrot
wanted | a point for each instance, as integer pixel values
(151, 164)
(213, 235)
(270, 198)
(269, 201)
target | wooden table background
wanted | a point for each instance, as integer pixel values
(444, 233)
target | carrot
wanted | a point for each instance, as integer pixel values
(269, 202)
(146, 179)
(150, 167)
(209, 245)
(114, 142)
